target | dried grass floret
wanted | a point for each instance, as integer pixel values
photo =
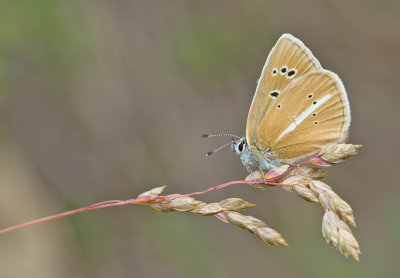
(300, 179)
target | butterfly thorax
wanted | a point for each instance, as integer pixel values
(251, 156)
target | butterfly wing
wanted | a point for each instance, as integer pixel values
(310, 112)
(288, 59)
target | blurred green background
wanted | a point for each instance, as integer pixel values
(105, 99)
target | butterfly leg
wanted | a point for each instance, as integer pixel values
(263, 175)
(247, 166)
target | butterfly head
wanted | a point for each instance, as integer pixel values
(252, 157)
(248, 156)
(239, 146)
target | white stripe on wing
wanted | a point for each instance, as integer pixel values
(304, 115)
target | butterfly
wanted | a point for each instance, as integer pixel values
(297, 109)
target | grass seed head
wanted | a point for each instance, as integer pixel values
(336, 153)
(234, 204)
(271, 237)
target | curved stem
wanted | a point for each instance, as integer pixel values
(112, 203)
(101, 205)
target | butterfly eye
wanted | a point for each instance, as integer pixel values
(241, 145)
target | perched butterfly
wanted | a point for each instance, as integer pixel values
(297, 109)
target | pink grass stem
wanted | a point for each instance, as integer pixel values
(101, 205)
(113, 203)
(231, 183)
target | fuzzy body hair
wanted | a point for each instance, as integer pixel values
(252, 157)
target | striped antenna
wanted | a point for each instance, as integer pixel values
(218, 135)
(217, 149)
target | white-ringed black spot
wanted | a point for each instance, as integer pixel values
(279, 106)
(314, 102)
(274, 71)
(274, 94)
(291, 73)
(283, 70)
(315, 123)
(314, 114)
(309, 96)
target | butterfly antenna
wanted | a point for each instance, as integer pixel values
(218, 135)
(217, 149)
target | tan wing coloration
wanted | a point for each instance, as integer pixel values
(288, 59)
(309, 113)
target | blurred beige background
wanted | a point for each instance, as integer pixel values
(105, 99)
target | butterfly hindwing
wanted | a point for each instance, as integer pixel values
(288, 60)
(309, 113)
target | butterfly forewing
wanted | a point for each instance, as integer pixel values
(309, 113)
(288, 60)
